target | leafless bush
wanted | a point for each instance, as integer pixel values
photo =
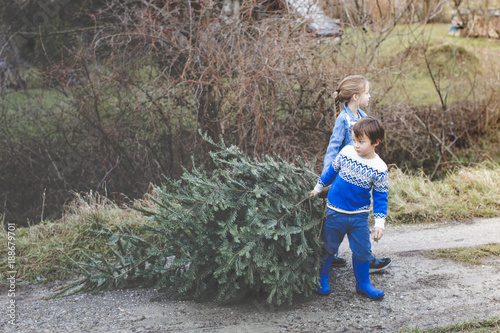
(126, 104)
(429, 139)
(127, 107)
(382, 14)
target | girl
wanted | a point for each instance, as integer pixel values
(351, 95)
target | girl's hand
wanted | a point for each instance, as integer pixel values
(379, 232)
(313, 193)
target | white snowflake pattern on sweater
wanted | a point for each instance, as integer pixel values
(355, 180)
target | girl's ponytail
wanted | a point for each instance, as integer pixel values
(336, 102)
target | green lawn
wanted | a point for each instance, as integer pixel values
(464, 67)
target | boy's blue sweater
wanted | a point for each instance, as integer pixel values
(341, 135)
(355, 180)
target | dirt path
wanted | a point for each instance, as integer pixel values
(419, 291)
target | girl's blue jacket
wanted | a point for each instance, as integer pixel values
(341, 135)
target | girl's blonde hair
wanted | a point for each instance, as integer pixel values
(353, 84)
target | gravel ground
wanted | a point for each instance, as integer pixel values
(419, 291)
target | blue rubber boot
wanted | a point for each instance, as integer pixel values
(324, 273)
(363, 285)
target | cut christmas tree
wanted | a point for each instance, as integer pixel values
(246, 227)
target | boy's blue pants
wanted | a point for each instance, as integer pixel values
(337, 225)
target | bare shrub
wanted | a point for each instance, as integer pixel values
(128, 106)
(428, 139)
(382, 14)
(125, 105)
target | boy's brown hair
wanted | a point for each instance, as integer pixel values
(371, 127)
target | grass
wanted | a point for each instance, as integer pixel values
(437, 34)
(491, 325)
(41, 99)
(402, 53)
(467, 255)
(465, 193)
(43, 251)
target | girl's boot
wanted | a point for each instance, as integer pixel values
(362, 274)
(324, 273)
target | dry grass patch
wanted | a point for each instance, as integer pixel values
(471, 255)
(43, 251)
(491, 325)
(464, 193)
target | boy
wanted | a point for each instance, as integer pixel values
(356, 175)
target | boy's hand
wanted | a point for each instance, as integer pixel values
(313, 193)
(379, 232)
